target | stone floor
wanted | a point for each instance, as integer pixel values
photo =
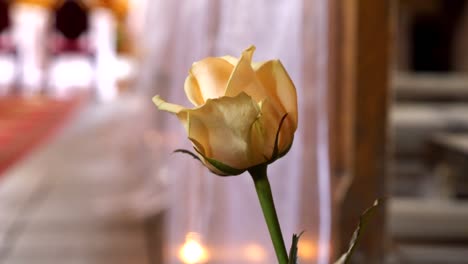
(71, 200)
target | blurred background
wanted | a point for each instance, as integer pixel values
(428, 119)
(86, 170)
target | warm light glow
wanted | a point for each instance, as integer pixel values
(307, 249)
(255, 253)
(192, 252)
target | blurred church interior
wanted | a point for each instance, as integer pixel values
(429, 124)
(84, 175)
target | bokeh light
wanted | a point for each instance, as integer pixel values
(192, 251)
(307, 249)
(255, 253)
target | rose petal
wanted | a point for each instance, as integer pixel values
(270, 120)
(267, 83)
(165, 106)
(280, 88)
(192, 90)
(232, 60)
(171, 108)
(211, 75)
(226, 130)
(244, 79)
(200, 150)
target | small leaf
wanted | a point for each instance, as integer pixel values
(363, 219)
(188, 152)
(293, 251)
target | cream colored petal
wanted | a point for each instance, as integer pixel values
(165, 106)
(256, 65)
(232, 60)
(179, 110)
(201, 153)
(227, 130)
(212, 75)
(281, 90)
(267, 84)
(244, 79)
(192, 90)
(270, 120)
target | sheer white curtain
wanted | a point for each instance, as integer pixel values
(225, 211)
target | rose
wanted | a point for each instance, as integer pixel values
(245, 113)
(244, 118)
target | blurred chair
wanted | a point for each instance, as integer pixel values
(7, 50)
(71, 62)
(29, 26)
(103, 39)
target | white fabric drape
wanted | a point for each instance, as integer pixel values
(225, 211)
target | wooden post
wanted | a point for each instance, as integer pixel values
(359, 79)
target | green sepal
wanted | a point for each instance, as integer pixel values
(188, 152)
(275, 154)
(285, 151)
(293, 259)
(363, 220)
(228, 170)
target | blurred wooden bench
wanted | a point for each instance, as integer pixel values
(447, 153)
(430, 86)
(429, 230)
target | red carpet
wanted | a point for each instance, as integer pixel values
(25, 123)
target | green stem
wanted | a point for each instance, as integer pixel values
(262, 186)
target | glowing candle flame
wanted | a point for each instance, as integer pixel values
(192, 251)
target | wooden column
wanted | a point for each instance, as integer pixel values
(359, 88)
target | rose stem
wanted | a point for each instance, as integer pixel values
(262, 186)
